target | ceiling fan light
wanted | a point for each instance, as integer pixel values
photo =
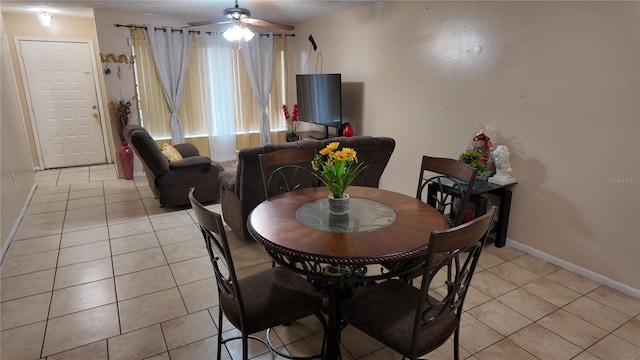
(45, 18)
(233, 33)
(247, 34)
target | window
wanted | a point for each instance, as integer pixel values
(156, 114)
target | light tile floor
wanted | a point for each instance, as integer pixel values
(97, 270)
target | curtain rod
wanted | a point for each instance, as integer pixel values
(198, 32)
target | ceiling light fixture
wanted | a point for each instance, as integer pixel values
(237, 32)
(45, 18)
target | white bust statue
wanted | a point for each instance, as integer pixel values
(503, 166)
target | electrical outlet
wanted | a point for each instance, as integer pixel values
(13, 177)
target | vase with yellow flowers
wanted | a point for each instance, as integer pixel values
(336, 169)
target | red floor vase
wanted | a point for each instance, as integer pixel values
(125, 154)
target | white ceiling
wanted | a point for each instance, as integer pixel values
(281, 11)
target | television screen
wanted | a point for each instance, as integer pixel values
(320, 99)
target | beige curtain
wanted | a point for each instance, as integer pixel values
(156, 114)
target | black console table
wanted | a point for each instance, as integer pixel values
(480, 201)
(504, 207)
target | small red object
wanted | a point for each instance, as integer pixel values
(467, 215)
(347, 130)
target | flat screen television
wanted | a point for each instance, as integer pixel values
(320, 100)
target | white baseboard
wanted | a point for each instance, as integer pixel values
(626, 289)
(11, 234)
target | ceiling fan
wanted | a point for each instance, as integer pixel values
(239, 17)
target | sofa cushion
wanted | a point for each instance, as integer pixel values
(187, 150)
(190, 161)
(228, 180)
(171, 153)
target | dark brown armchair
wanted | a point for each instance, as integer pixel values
(171, 181)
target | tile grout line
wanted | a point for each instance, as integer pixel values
(563, 307)
(518, 287)
(608, 333)
(55, 273)
(115, 286)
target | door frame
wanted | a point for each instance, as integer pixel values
(27, 93)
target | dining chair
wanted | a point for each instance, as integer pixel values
(449, 189)
(415, 321)
(259, 301)
(287, 170)
(443, 183)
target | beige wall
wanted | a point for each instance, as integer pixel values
(557, 81)
(16, 172)
(62, 28)
(115, 40)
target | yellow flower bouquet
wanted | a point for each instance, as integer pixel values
(337, 168)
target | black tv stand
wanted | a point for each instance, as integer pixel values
(314, 135)
(317, 135)
(326, 132)
(320, 135)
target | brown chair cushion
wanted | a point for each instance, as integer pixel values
(387, 311)
(187, 150)
(272, 297)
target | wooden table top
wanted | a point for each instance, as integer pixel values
(274, 224)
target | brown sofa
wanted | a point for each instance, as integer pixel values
(171, 181)
(242, 190)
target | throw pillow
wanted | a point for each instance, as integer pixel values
(171, 153)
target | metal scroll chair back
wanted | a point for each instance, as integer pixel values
(215, 239)
(424, 318)
(287, 170)
(272, 297)
(449, 190)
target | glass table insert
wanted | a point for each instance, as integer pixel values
(365, 215)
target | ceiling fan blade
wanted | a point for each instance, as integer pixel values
(208, 22)
(264, 23)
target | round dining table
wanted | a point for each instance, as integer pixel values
(381, 228)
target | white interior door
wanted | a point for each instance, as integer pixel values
(63, 98)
